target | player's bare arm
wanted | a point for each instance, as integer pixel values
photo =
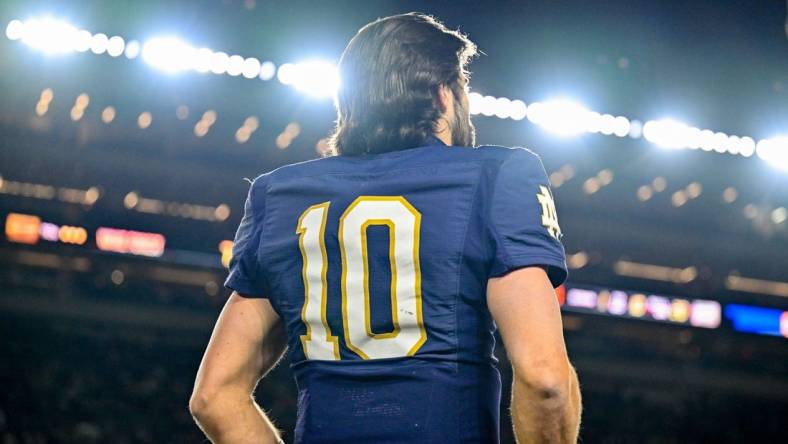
(248, 340)
(545, 393)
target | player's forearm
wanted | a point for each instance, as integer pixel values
(234, 419)
(546, 414)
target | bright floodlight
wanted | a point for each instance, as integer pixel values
(251, 68)
(746, 146)
(267, 71)
(115, 46)
(219, 62)
(621, 126)
(502, 108)
(474, 103)
(132, 49)
(82, 40)
(488, 105)
(49, 35)
(774, 151)
(98, 43)
(518, 110)
(14, 30)
(315, 78)
(235, 65)
(669, 133)
(169, 54)
(202, 60)
(563, 117)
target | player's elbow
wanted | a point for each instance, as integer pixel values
(199, 405)
(205, 405)
(548, 382)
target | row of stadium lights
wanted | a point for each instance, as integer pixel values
(170, 54)
(563, 117)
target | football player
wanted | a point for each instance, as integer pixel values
(387, 268)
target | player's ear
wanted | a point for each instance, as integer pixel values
(445, 98)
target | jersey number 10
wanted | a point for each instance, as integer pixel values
(403, 222)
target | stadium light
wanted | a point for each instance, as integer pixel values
(316, 78)
(98, 43)
(14, 30)
(169, 54)
(267, 71)
(563, 117)
(774, 151)
(49, 35)
(115, 46)
(669, 133)
(251, 68)
(132, 49)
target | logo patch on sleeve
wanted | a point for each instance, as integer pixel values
(549, 215)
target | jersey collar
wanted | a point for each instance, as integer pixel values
(434, 141)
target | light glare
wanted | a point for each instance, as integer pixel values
(132, 49)
(219, 62)
(115, 46)
(14, 30)
(169, 54)
(235, 65)
(315, 78)
(774, 151)
(251, 68)
(82, 40)
(267, 71)
(98, 43)
(667, 133)
(563, 117)
(48, 35)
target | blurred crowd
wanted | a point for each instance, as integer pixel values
(65, 382)
(63, 386)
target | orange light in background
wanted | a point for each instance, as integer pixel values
(784, 324)
(146, 244)
(680, 310)
(144, 120)
(637, 305)
(22, 228)
(133, 242)
(603, 301)
(226, 248)
(43, 103)
(72, 235)
(108, 115)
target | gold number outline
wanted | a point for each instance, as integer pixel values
(417, 272)
(301, 231)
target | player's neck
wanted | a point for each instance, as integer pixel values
(444, 136)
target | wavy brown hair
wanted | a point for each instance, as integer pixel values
(391, 72)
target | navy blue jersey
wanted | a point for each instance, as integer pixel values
(378, 267)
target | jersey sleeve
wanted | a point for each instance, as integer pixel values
(246, 275)
(523, 220)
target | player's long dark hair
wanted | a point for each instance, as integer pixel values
(391, 73)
